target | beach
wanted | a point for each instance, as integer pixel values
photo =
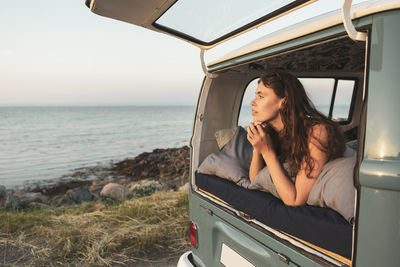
(157, 199)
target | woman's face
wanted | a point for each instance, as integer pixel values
(266, 105)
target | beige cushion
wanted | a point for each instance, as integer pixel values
(334, 187)
(224, 136)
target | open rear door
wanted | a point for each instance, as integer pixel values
(203, 23)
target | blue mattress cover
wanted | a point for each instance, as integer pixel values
(322, 227)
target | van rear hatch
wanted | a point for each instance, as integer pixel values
(202, 23)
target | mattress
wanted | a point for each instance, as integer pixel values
(321, 227)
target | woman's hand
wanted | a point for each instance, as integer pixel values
(259, 138)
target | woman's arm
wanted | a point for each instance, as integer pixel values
(292, 194)
(257, 161)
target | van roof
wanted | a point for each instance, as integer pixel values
(308, 26)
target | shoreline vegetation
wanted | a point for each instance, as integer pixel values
(138, 218)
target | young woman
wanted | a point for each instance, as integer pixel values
(287, 128)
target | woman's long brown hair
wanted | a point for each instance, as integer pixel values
(299, 116)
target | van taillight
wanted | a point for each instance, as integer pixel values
(193, 234)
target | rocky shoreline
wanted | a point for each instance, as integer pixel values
(149, 172)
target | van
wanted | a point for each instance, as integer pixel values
(348, 61)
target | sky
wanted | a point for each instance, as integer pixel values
(57, 52)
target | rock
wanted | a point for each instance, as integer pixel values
(80, 194)
(60, 188)
(74, 196)
(144, 173)
(11, 202)
(7, 201)
(145, 188)
(159, 164)
(169, 167)
(156, 157)
(63, 200)
(3, 197)
(95, 197)
(115, 192)
(95, 189)
(25, 199)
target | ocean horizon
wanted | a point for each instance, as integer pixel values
(42, 144)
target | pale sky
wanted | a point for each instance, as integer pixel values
(58, 52)
(55, 52)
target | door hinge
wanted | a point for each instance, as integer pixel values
(283, 258)
(209, 212)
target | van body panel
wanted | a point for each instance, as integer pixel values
(378, 228)
(383, 89)
(379, 213)
(380, 174)
(216, 226)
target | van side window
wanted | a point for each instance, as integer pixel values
(245, 110)
(319, 90)
(331, 96)
(343, 99)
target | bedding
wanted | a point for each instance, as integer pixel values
(333, 189)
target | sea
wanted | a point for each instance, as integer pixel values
(41, 146)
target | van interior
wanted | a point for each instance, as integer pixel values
(334, 66)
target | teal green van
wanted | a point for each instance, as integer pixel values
(348, 59)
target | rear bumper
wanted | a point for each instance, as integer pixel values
(185, 260)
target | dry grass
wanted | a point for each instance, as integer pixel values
(150, 229)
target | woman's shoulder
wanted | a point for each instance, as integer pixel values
(319, 131)
(328, 138)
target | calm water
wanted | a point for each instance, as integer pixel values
(43, 143)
